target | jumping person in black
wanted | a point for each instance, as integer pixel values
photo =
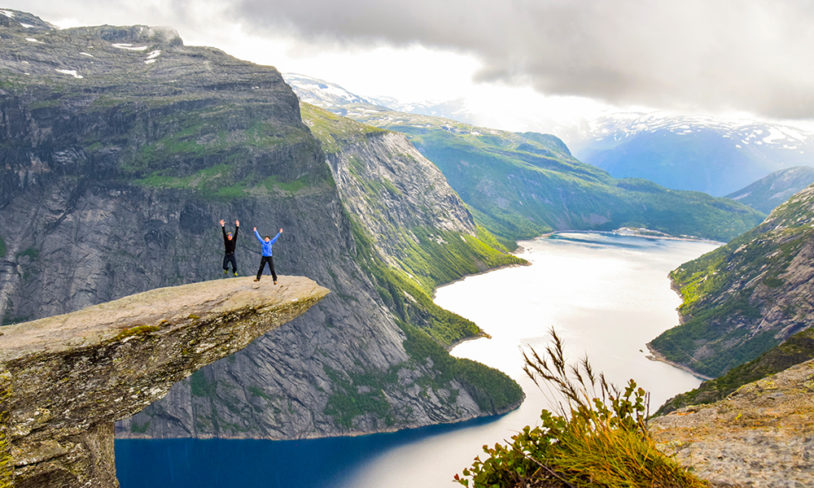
(229, 243)
(267, 242)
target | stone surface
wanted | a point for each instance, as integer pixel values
(73, 375)
(762, 435)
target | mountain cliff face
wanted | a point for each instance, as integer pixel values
(519, 185)
(748, 296)
(770, 191)
(71, 376)
(122, 148)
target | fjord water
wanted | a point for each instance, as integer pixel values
(606, 295)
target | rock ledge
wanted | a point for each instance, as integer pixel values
(70, 377)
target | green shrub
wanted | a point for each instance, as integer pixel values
(599, 438)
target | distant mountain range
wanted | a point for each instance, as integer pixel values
(519, 185)
(770, 191)
(681, 152)
(692, 152)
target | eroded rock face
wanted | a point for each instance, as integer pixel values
(73, 375)
(762, 435)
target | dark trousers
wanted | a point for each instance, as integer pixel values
(229, 258)
(263, 261)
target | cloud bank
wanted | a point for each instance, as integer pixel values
(695, 54)
(688, 55)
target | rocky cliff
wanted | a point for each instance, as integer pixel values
(122, 148)
(71, 376)
(748, 296)
(758, 436)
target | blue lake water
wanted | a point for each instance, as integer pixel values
(606, 295)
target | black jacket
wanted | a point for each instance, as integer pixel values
(227, 244)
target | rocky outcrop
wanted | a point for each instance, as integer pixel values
(760, 436)
(744, 298)
(121, 150)
(72, 376)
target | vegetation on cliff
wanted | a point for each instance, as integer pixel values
(520, 185)
(599, 437)
(412, 234)
(795, 350)
(744, 298)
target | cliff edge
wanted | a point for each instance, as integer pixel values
(70, 377)
(760, 435)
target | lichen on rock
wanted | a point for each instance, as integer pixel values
(761, 435)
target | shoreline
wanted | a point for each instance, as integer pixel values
(389, 430)
(657, 356)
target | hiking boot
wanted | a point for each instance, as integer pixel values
(275, 282)
(225, 272)
(257, 279)
(235, 273)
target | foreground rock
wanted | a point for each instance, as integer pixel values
(71, 376)
(762, 435)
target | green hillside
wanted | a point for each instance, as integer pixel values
(744, 298)
(519, 185)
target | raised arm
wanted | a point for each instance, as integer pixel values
(275, 237)
(257, 235)
(237, 228)
(223, 229)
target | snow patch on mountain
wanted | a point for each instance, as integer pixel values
(71, 72)
(129, 47)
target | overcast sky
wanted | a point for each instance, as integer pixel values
(556, 58)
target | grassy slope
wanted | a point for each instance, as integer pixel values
(718, 293)
(519, 185)
(796, 349)
(520, 188)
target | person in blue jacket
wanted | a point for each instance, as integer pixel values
(267, 242)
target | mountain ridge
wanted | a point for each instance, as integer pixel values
(748, 296)
(520, 185)
(772, 190)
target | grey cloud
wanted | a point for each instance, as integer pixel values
(753, 56)
(691, 54)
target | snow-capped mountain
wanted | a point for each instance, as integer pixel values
(323, 93)
(684, 152)
(336, 98)
(713, 155)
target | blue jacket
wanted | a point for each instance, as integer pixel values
(266, 245)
